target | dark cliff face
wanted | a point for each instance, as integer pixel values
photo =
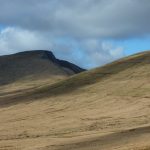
(64, 63)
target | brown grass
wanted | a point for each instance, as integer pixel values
(106, 108)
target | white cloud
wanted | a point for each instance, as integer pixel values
(15, 39)
(101, 52)
(86, 53)
(78, 31)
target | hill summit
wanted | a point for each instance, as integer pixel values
(30, 69)
(34, 64)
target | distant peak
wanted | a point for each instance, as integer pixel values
(48, 55)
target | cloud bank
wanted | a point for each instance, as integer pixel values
(74, 30)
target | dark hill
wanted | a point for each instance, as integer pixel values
(34, 64)
(31, 69)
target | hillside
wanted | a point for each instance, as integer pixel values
(107, 108)
(31, 69)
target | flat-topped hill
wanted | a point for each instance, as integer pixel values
(32, 69)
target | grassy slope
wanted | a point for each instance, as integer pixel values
(105, 108)
(28, 70)
(130, 68)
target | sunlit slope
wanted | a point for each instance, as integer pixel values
(116, 77)
(135, 68)
(106, 108)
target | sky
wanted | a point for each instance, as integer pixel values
(89, 33)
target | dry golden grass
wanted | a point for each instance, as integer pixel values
(106, 108)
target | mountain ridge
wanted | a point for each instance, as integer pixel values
(34, 63)
(90, 77)
(30, 69)
(51, 57)
(106, 108)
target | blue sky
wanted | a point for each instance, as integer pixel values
(89, 33)
(134, 45)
